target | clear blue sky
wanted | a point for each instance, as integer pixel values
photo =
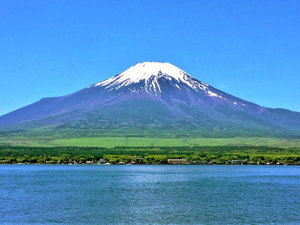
(250, 49)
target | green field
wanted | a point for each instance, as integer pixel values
(110, 142)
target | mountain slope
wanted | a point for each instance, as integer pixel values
(153, 95)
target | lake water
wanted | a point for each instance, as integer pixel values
(57, 194)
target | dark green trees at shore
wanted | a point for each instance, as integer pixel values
(156, 155)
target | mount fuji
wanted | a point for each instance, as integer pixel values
(154, 96)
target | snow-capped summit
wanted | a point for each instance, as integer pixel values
(144, 71)
(149, 73)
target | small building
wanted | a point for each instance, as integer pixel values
(140, 161)
(238, 162)
(102, 161)
(177, 161)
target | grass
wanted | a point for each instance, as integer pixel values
(110, 142)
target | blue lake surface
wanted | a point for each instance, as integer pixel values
(58, 194)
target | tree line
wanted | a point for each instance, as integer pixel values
(150, 155)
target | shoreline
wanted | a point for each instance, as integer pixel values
(225, 155)
(115, 164)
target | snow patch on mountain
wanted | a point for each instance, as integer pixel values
(144, 71)
(150, 72)
(149, 75)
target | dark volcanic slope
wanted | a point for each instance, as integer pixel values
(153, 95)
